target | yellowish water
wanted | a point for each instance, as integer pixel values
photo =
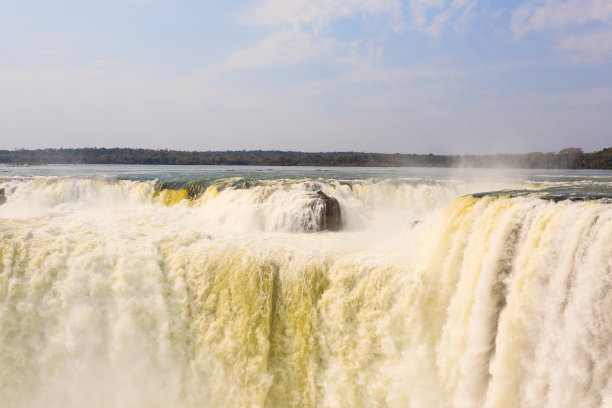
(113, 294)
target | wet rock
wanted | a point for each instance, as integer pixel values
(333, 216)
(329, 217)
(2, 196)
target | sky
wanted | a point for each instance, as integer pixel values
(414, 76)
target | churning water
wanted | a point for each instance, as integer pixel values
(135, 286)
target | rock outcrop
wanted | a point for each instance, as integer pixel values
(2, 196)
(330, 216)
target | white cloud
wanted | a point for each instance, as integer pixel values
(303, 29)
(302, 33)
(581, 26)
(287, 46)
(556, 14)
(593, 42)
(320, 12)
(431, 16)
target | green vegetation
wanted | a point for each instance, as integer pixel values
(570, 158)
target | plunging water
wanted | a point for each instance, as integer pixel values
(141, 286)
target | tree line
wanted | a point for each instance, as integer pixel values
(570, 158)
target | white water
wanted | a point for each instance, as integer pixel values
(115, 295)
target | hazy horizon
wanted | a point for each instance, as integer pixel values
(387, 76)
(305, 151)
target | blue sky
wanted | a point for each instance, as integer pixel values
(458, 76)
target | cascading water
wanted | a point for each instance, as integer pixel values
(121, 291)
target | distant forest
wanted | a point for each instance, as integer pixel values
(570, 158)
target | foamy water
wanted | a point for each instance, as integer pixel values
(188, 287)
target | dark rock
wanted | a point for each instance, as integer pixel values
(331, 217)
(323, 214)
(2, 196)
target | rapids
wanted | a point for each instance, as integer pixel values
(140, 287)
